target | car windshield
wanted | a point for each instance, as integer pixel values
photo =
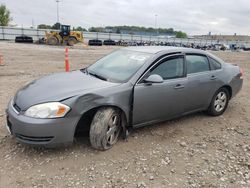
(118, 66)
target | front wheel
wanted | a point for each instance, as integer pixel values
(105, 128)
(72, 41)
(219, 102)
(52, 41)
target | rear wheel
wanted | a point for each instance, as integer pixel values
(105, 128)
(219, 102)
(72, 41)
(52, 41)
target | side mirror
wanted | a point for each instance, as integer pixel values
(154, 78)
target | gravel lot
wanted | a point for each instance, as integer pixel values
(193, 151)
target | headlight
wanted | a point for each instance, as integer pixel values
(48, 110)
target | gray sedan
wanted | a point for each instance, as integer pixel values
(131, 87)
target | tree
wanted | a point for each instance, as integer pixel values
(96, 29)
(56, 26)
(180, 34)
(138, 30)
(79, 28)
(4, 16)
(118, 31)
(43, 26)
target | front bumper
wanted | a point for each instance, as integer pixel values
(43, 132)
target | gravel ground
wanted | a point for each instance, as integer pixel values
(192, 151)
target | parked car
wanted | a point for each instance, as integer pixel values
(24, 39)
(246, 47)
(131, 87)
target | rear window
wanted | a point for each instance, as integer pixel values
(197, 63)
(215, 65)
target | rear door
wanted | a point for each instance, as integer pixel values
(160, 101)
(202, 82)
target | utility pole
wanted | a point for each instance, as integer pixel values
(33, 25)
(57, 8)
(156, 20)
(156, 23)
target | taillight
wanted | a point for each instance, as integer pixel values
(241, 73)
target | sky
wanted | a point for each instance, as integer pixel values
(191, 16)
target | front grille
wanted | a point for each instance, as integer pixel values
(17, 108)
(34, 139)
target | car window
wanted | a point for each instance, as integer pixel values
(196, 63)
(215, 65)
(171, 68)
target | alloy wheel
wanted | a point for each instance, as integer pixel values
(220, 101)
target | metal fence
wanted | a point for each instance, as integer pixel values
(9, 33)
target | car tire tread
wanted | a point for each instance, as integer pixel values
(98, 128)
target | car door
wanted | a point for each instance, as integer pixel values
(160, 101)
(201, 84)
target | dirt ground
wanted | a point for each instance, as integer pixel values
(192, 151)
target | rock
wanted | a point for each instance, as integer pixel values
(141, 184)
(183, 144)
(151, 178)
(191, 173)
(165, 161)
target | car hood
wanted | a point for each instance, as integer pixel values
(57, 87)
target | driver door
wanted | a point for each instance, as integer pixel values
(160, 101)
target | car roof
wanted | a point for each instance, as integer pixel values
(164, 49)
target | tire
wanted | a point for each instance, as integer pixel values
(95, 42)
(23, 39)
(219, 102)
(52, 41)
(72, 41)
(105, 128)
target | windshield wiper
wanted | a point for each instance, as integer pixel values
(98, 76)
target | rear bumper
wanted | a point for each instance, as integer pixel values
(41, 132)
(236, 86)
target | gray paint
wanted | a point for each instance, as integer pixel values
(142, 103)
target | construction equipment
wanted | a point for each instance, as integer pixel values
(64, 36)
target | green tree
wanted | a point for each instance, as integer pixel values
(43, 26)
(4, 15)
(118, 31)
(79, 28)
(56, 26)
(96, 29)
(137, 29)
(180, 34)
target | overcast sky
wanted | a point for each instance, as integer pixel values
(191, 16)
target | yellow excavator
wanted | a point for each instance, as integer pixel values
(64, 36)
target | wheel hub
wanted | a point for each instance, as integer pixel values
(113, 130)
(220, 101)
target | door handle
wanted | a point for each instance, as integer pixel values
(179, 86)
(213, 77)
